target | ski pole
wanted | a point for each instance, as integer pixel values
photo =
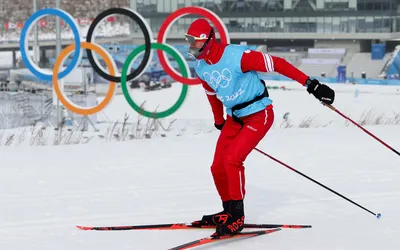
(358, 125)
(320, 184)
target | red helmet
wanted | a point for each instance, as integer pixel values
(200, 30)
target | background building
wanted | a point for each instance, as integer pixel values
(277, 25)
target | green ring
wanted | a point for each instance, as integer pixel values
(124, 87)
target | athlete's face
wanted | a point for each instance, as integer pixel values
(195, 47)
(197, 44)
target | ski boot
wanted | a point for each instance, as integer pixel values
(231, 222)
(207, 220)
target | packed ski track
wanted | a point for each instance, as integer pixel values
(46, 191)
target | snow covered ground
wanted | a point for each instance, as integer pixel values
(46, 191)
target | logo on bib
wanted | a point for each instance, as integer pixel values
(216, 78)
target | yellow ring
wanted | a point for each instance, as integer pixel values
(64, 100)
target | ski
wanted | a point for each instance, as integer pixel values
(177, 226)
(208, 240)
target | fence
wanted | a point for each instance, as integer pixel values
(19, 109)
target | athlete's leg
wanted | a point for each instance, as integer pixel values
(255, 128)
(218, 169)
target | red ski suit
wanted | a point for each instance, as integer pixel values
(235, 142)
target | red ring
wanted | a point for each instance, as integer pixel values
(170, 19)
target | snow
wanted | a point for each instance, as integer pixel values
(46, 191)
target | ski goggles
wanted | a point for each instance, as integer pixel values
(192, 39)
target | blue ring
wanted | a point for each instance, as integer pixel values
(24, 41)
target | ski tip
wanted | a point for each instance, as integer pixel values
(296, 226)
(83, 227)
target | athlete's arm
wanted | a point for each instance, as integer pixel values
(216, 105)
(261, 62)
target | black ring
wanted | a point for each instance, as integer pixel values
(147, 42)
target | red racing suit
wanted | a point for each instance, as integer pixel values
(236, 142)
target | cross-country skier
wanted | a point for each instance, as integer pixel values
(229, 77)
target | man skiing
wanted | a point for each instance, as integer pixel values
(229, 77)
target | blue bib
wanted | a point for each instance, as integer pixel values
(231, 85)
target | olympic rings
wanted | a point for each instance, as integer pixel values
(166, 26)
(113, 75)
(147, 40)
(110, 65)
(170, 50)
(41, 74)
